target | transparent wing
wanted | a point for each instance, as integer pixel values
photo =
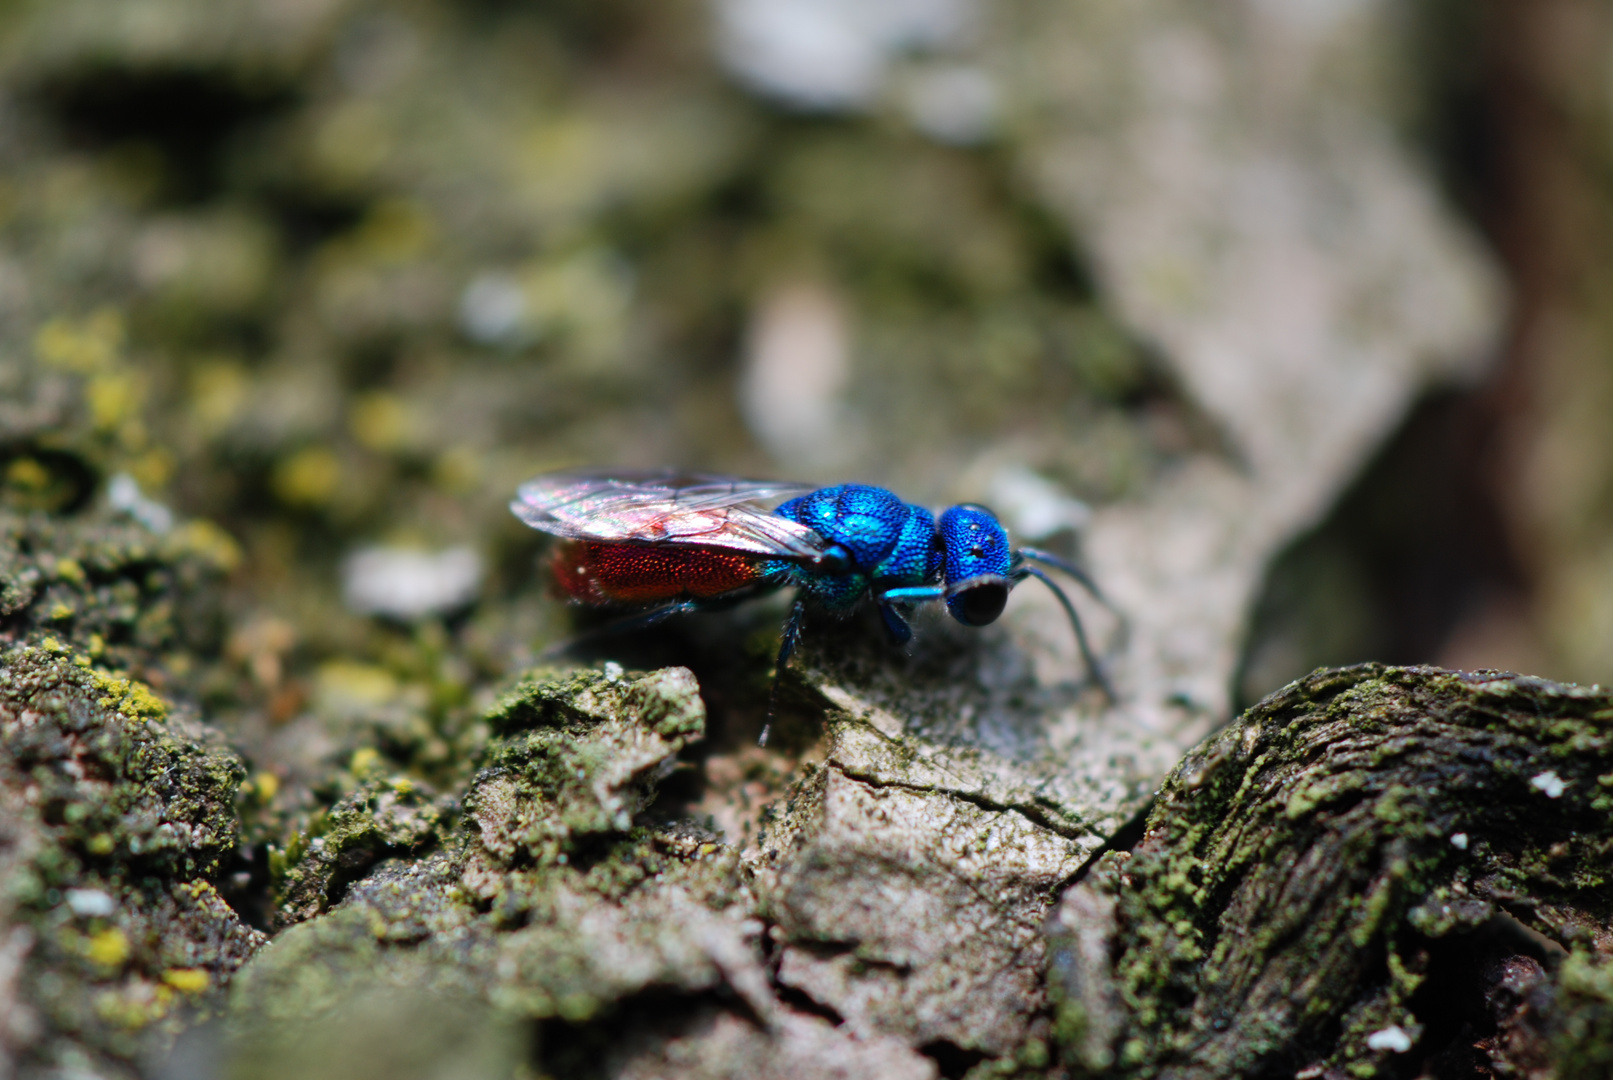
(666, 507)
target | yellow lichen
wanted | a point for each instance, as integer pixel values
(188, 980)
(307, 478)
(381, 421)
(153, 469)
(112, 399)
(87, 347)
(132, 698)
(343, 687)
(26, 474)
(108, 949)
(207, 541)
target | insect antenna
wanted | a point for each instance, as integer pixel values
(1047, 558)
(1091, 661)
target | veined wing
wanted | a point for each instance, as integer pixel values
(666, 507)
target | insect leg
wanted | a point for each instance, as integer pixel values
(895, 625)
(790, 639)
(1080, 633)
(911, 594)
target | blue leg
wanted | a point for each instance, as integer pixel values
(787, 643)
(895, 622)
(895, 625)
(911, 594)
(1091, 661)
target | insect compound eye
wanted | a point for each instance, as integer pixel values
(980, 605)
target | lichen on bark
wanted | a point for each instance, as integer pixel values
(891, 911)
(115, 822)
(1343, 882)
(124, 596)
(553, 902)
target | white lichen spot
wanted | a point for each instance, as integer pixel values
(832, 55)
(123, 495)
(406, 583)
(1392, 1038)
(90, 903)
(1549, 784)
(493, 310)
(1459, 841)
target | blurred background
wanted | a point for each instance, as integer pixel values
(321, 281)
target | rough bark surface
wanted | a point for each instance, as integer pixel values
(554, 904)
(1376, 871)
(114, 822)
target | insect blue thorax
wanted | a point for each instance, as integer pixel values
(887, 543)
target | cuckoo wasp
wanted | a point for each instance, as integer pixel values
(676, 542)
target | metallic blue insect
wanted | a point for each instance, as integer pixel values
(686, 542)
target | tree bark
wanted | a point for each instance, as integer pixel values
(1375, 871)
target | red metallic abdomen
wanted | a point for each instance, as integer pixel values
(600, 573)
